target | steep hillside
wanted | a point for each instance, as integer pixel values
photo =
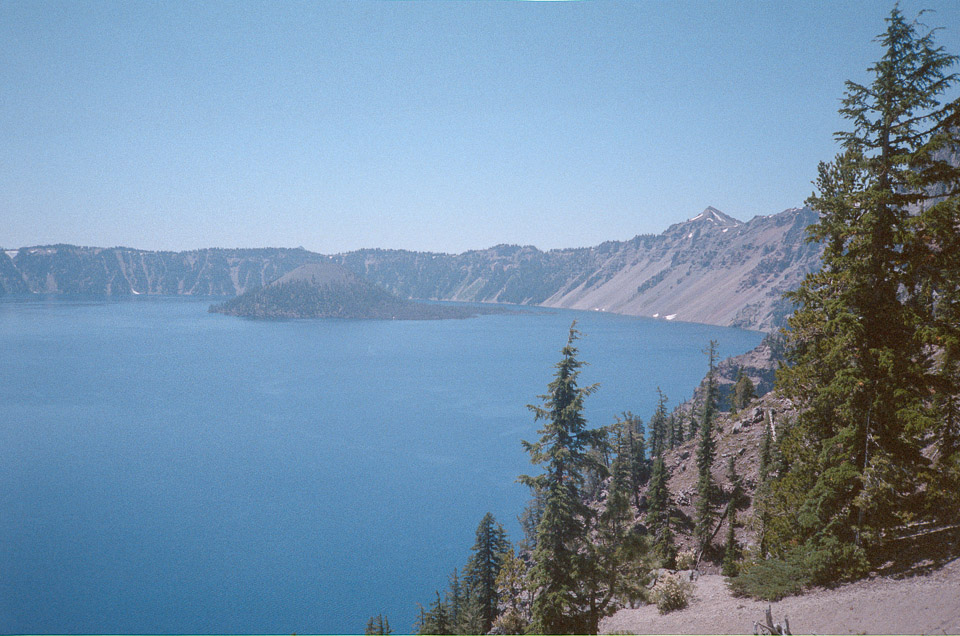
(711, 269)
(739, 436)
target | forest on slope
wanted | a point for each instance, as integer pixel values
(850, 467)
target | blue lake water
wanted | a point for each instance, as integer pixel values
(169, 470)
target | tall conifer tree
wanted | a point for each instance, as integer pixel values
(861, 372)
(560, 604)
(455, 599)
(659, 435)
(659, 509)
(706, 449)
(483, 566)
(638, 466)
(378, 625)
(743, 391)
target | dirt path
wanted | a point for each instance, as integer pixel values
(928, 604)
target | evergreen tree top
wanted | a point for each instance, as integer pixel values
(564, 437)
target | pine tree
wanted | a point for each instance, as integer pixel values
(483, 566)
(555, 579)
(420, 627)
(438, 618)
(731, 551)
(378, 625)
(860, 370)
(471, 616)
(693, 425)
(638, 466)
(675, 432)
(616, 563)
(762, 494)
(743, 391)
(706, 449)
(659, 508)
(529, 521)
(659, 435)
(455, 598)
(620, 492)
(765, 452)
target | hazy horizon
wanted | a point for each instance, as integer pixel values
(268, 247)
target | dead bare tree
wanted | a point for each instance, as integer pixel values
(770, 627)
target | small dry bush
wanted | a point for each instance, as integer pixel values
(686, 559)
(671, 593)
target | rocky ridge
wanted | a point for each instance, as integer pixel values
(712, 269)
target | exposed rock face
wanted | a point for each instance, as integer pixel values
(123, 271)
(11, 282)
(740, 436)
(712, 269)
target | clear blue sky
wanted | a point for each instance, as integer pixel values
(428, 126)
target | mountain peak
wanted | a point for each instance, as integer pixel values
(715, 216)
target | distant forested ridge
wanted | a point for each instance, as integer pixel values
(711, 269)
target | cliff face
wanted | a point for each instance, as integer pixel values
(711, 269)
(11, 281)
(67, 269)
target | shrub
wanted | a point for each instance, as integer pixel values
(823, 562)
(730, 566)
(671, 593)
(769, 580)
(686, 559)
(511, 622)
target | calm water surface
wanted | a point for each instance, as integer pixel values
(170, 470)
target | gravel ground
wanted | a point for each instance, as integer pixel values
(928, 604)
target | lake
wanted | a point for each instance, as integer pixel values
(170, 470)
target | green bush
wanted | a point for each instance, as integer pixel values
(769, 580)
(824, 562)
(671, 593)
(730, 566)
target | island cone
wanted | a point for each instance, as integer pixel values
(329, 290)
